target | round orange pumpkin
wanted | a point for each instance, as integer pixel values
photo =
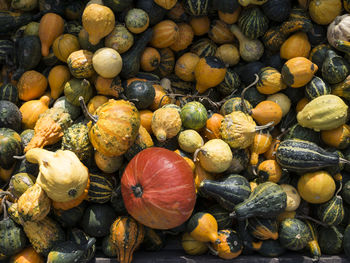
(31, 85)
(185, 37)
(165, 33)
(150, 59)
(185, 66)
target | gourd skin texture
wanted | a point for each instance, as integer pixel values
(107, 62)
(166, 123)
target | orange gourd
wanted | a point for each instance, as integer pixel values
(230, 245)
(338, 137)
(267, 111)
(31, 111)
(165, 33)
(109, 87)
(230, 18)
(200, 25)
(261, 144)
(108, 164)
(270, 153)
(203, 227)
(57, 78)
(209, 72)
(185, 66)
(301, 104)
(166, 4)
(146, 120)
(96, 102)
(64, 45)
(27, 255)
(31, 85)
(228, 53)
(160, 98)
(269, 170)
(297, 45)
(200, 174)
(220, 32)
(212, 126)
(150, 59)
(185, 37)
(51, 26)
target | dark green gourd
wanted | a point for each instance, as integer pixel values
(141, 93)
(346, 241)
(100, 190)
(270, 248)
(288, 120)
(204, 47)
(316, 88)
(252, 22)
(53, 6)
(227, 6)
(230, 83)
(155, 12)
(331, 212)
(154, 240)
(334, 68)
(10, 116)
(331, 239)
(7, 48)
(294, 234)
(247, 239)
(267, 200)
(70, 217)
(228, 191)
(221, 215)
(263, 228)
(10, 145)
(299, 132)
(28, 52)
(131, 58)
(277, 10)
(10, 21)
(12, 237)
(9, 92)
(303, 156)
(82, 239)
(196, 7)
(118, 5)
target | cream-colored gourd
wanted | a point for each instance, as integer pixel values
(62, 176)
(293, 197)
(339, 29)
(282, 100)
(190, 140)
(166, 123)
(107, 62)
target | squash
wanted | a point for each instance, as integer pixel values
(199, 175)
(266, 200)
(234, 104)
(160, 98)
(80, 64)
(266, 112)
(135, 189)
(184, 38)
(337, 30)
(146, 120)
(51, 26)
(141, 93)
(190, 140)
(75, 88)
(10, 142)
(252, 22)
(167, 62)
(166, 123)
(177, 13)
(293, 197)
(20, 182)
(120, 39)
(297, 45)
(294, 234)
(96, 102)
(209, 72)
(98, 21)
(338, 137)
(200, 25)
(107, 164)
(188, 160)
(277, 10)
(254, 2)
(10, 116)
(143, 141)
(58, 76)
(316, 88)
(108, 248)
(331, 239)
(193, 115)
(192, 246)
(31, 111)
(64, 45)
(212, 126)
(31, 85)
(203, 227)
(220, 33)
(185, 66)
(84, 41)
(100, 190)
(196, 8)
(298, 71)
(335, 68)
(229, 17)
(260, 145)
(270, 81)
(166, 4)
(62, 102)
(230, 245)
(269, 170)
(27, 255)
(204, 47)
(9, 92)
(126, 234)
(107, 62)
(283, 101)
(324, 12)
(249, 49)
(165, 34)
(331, 212)
(109, 87)
(228, 53)
(263, 228)
(342, 89)
(136, 20)
(316, 116)
(150, 59)
(318, 54)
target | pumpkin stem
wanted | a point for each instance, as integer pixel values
(259, 128)
(311, 219)
(86, 112)
(340, 188)
(137, 190)
(212, 250)
(244, 105)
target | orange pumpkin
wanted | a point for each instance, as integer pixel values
(185, 37)
(261, 144)
(267, 111)
(220, 32)
(185, 66)
(150, 59)
(297, 45)
(200, 25)
(212, 126)
(230, 18)
(166, 4)
(146, 119)
(27, 255)
(165, 33)
(31, 85)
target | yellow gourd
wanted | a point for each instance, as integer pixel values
(261, 144)
(57, 78)
(296, 45)
(166, 123)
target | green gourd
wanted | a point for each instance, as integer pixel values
(100, 190)
(10, 116)
(82, 239)
(335, 68)
(9, 92)
(75, 88)
(252, 22)
(331, 239)
(263, 228)
(294, 234)
(331, 212)
(316, 88)
(193, 115)
(10, 145)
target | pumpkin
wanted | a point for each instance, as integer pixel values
(64, 45)
(165, 33)
(31, 85)
(200, 25)
(338, 30)
(150, 59)
(297, 45)
(27, 255)
(109, 87)
(212, 126)
(58, 76)
(185, 37)
(146, 120)
(338, 137)
(190, 140)
(317, 187)
(107, 62)
(192, 246)
(31, 111)
(185, 66)
(62, 175)
(270, 81)
(228, 53)
(96, 102)
(269, 170)
(220, 33)
(324, 12)
(120, 39)
(126, 235)
(166, 123)
(75, 88)
(108, 164)
(230, 17)
(136, 20)
(51, 26)
(297, 72)
(294, 234)
(203, 227)
(260, 145)
(80, 64)
(98, 21)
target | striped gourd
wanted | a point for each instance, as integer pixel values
(263, 228)
(167, 62)
(194, 115)
(331, 212)
(253, 23)
(196, 7)
(335, 68)
(234, 104)
(301, 133)
(318, 54)
(9, 92)
(80, 64)
(303, 156)
(316, 87)
(267, 200)
(230, 84)
(12, 237)
(228, 191)
(204, 47)
(6, 50)
(10, 145)
(221, 215)
(294, 234)
(313, 245)
(100, 190)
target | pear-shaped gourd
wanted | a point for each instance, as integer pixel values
(98, 21)
(166, 123)
(62, 176)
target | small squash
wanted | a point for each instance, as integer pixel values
(58, 76)
(230, 17)
(80, 64)
(146, 120)
(167, 62)
(338, 137)
(252, 22)
(120, 39)
(165, 34)
(96, 102)
(166, 123)
(338, 30)
(294, 234)
(203, 227)
(293, 197)
(109, 87)
(167, 4)
(270, 81)
(200, 25)
(204, 47)
(150, 59)
(228, 53)
(108, 164)
(220, 33)
(98, 21)
(193, 115)
(51, 26)
(190, 140)
(107, 62)
(136, 20)
(323, 12)
(266, 112)
(297, 45)
(260, 145)
(31, 85)
(192, 246)
(185, 66)
(185, 37)
(64, 45)
(230, 245)
(263, 228)
(212, 126)
(335, 68)
(160, 99)
(27, 255)
(331, 212)
(316, 88)
(31, 111)
(269, 170)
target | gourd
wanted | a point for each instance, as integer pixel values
(221, 215)
(277, 10)
(234, 104)
(11, 21)
(136, 20)
(178, 192)
(109, 87)
(263, 228)
(98, 21)
(269, 170)
(100, 190)
(338, 30)
(150, 59)
(227, 191)
(200, 174)
(167, 4)
(108, 164)
(229, 54)
(49, 128)
(260, 145)
(266, 200)
(230, 245)
(143, 141)
(324, 12)
(33, 204)
(10, 142)
(84, 42)
(283, 101)
(108, 247)
(27, 255)
(165, 34)
(31, 110)
(73, 110)
(200, 25)
(316, 88)
(82, 239)
(126, 235)
(220, 33)
(294, 234)
(332, 212)
(303, 156)
(203, 227)
(269, 248)
(184, 38)
(335, 68)
(64, 45)
(31, 85)
(252, 22)
(190, 140)
(80, 64)
(212, 126)
(204, 47)
(318, 54)
(142, 93)
(9, 92)
(338, 137)
(166, 123)
(62, 175)
(318, 193)
(209, 66)
(196, 8)
(331, 239)
(326, 112)
(270, 81)
(10, 116)
(192, 246)
(155, 12)
(293, 197)
(57, 78)
(19, 183)
(185, 66)
(296, 45)
(96, 102)
(120, 39)
(250, 50)
(267, 112)
(51, 26)
(193, 115)
(75, 88)
(254, 2)
(107, 62)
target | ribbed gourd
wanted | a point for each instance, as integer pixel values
(331, 212)
(252, 22)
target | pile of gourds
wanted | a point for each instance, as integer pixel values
(222, 122)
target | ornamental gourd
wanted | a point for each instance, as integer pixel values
(270, 81)
(120, 39)
(166, 123)
(64, 45)
(165, 33)
(58, 76)
(31, 111)
(51, 26)
(324, 12)
(107, 62)
(185, 66)
(230, 245)
(167, 203)
(203, 227)
(31, 85)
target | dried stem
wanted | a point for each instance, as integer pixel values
(86, 112)
(244, 105)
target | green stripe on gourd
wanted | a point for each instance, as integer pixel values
(316, 88)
